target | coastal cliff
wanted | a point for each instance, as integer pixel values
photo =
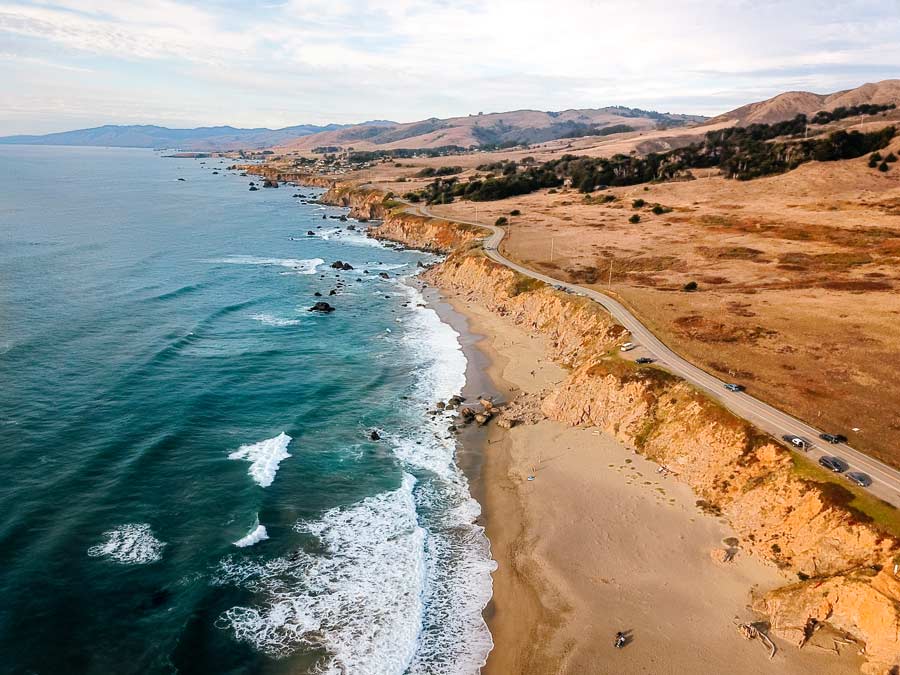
(844, 564)
(399, 226)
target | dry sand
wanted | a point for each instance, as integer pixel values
(600, 542)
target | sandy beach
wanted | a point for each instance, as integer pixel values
(600, 541)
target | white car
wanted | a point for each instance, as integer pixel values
(627, 347)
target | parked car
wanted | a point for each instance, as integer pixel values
(734, 387)
(833, 438)
(627, 347)
(835, 464)
(644, 359)
(859, 478)
(797, 441)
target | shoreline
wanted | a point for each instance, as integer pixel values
(551, 611)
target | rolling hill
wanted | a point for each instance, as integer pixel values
(792, 103)
(520, 126)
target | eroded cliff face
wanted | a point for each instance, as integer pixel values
(794, 523)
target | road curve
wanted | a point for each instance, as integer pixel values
(885, 479)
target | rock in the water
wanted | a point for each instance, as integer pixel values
(321, 307)
(270, 183)
(338, 265)
(383, 275)
(352, 228)
(332, 292)
(310, 233)
(343, 219)
(181, 179)
(317, 294)
(375, 436)
(253, 188)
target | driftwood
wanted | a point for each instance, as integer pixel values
(751, 632)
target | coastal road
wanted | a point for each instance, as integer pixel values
(885, 479)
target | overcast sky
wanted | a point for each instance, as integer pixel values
(78, 63)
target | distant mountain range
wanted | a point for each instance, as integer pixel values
(490, 129)
(202, 138)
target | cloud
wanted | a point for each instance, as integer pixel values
(281, 63)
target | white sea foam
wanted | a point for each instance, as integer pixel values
(272, 320)
(299, 266)
(264, 457)
(254, 536)
(455, 639)
(353, 237)
(131, 544)
(359, 600)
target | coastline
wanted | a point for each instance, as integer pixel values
(599, 542)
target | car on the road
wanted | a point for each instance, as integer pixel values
(797, 441)
(835, 464)
(859, 478)
(731, 386)
(833, 438)
(627, 347)
(644, 359)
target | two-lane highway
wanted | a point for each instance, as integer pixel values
(885, 479)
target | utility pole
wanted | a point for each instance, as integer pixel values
(552, 240)
(609, 284)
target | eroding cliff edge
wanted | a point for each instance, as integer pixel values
(844, 564)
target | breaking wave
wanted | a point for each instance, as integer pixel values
(131, 544)
(264, 457)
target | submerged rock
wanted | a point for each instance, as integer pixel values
(375, 436)
(321, 307)
(270, 183)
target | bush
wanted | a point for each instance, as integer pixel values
(873, 162)
(501, 221)
(515, 212)
(659, 209)
(689, 287)
(883, 167)
(634, 219)
(875, 157)
(412, 197)
(891, 158)
(638, 203)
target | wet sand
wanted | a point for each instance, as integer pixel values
(600, 542)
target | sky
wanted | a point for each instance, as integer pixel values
(71, 64)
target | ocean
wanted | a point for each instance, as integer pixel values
(189, 479)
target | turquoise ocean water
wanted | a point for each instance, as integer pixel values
(188, 479)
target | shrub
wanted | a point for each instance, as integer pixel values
(891, 158)
(412, 197)
(634, 219)
(638, 203)
(873, 162)
(501, 221)
(515, 212)
(659, 209)
(689, 287)
(883, 167)
(875, 157)
(552, 191)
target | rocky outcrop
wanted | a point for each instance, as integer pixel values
(799, 525)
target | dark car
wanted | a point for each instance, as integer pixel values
(797, 441)
(644, 359)
(734, 387)
(859, 478)
(833, 438)
(833, 464)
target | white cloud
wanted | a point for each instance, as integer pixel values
(345, 60)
